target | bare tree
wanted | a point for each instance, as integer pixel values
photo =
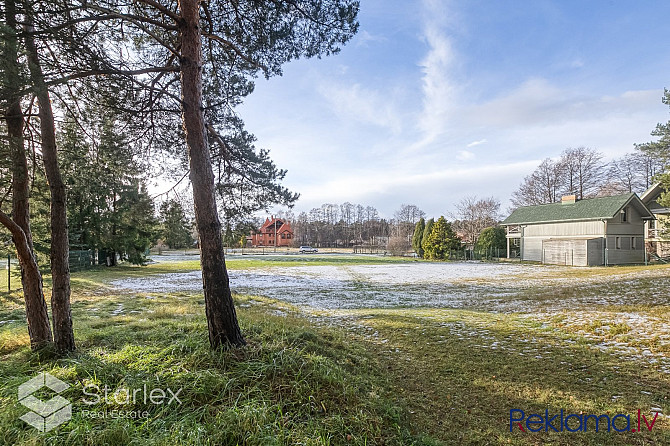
(398, 246)
(625, 174)
(405, 220)
(583, 171)
(649, 164)
(540, 187)
(474, 215)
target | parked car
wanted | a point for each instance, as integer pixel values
(304, 249)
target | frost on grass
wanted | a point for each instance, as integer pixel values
(453, 285)
(601, 308)
(493, 287)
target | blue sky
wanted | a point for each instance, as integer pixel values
(436, 100)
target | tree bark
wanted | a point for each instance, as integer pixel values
(37, 316)
(60, 245)
(219, 308)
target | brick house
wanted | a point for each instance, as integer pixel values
(274, 232)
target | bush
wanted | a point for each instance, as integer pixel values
(398, 246)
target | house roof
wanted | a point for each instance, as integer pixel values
(590, 209)
(269, 226)
(652, 193)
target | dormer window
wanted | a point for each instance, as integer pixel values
(624, 215)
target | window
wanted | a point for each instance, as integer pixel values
(617, 242)
(633, 244)
(624, 215)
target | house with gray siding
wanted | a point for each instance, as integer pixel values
(596, 231)
(658, 239)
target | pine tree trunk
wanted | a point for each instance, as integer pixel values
(31, 278)
(219, 308)
(37, 316)
(60, 245)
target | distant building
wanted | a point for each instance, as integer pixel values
(597, 231)
(274, 232)
(658, 242)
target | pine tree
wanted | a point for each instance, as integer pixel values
(660, 150)
(417, 238)
(441, 240)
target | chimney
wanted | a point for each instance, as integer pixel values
(568, 199)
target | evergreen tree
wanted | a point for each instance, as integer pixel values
(492, 238)
(426, 233)
(109, 208)
(134, 226)
(175, 227)
(441, 240)
(660, 150)
(417, 238)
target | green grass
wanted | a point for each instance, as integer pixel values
(460, 373)
(367, 376)
(293, 384)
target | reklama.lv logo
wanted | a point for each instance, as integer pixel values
(577, 422)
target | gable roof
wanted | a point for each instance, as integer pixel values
(590, 209)
(269, 226)
(652, 193)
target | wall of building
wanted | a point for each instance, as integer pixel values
(565, 252)
(533, 236)
(625, 240)
(565, 243)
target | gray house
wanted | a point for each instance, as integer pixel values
(597, 231)
(658, 240)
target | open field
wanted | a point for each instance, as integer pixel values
(361, 350)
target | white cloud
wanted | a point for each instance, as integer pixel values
(438, 87)
(465, 155)
(577, 63)
(538, 102)
(359, 104)
(387, 189)
(477, 143)
(364, 38)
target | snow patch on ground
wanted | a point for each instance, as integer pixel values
(579, 306)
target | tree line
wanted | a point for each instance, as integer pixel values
(583, 172)
(355, 225)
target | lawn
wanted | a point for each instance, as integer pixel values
(591, 341)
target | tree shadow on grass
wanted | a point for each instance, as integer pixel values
(463, 387)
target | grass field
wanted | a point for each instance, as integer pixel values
(591, 341)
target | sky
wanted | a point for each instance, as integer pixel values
(433, 101)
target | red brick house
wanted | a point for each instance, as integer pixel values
(274, 232)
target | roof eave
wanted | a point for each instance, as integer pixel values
(556, 221)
